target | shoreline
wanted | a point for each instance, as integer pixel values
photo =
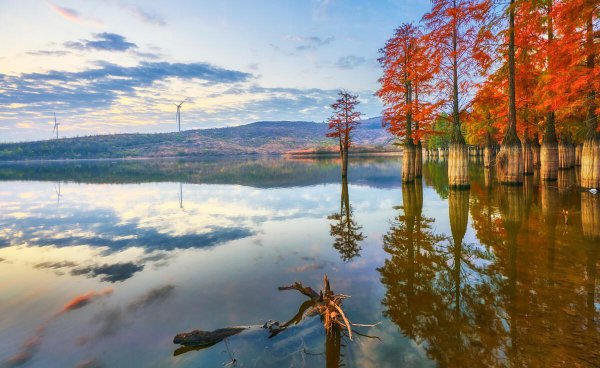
(207, 156)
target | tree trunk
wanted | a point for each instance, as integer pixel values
(549, 151)
(535, 150)
(419, 160)
(590, 163)
(590, 155)
(408, 162)
(458, 165)
(527, 157)
(563, 153)
(578, 151)
(345, 162)
(458, 155)
(488, 152)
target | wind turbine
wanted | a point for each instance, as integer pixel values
(181, 197)
(56, 124)
(178, 114)
(58, 195)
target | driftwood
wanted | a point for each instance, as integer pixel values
(326, 304)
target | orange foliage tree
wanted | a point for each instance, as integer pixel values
(343, 121)
(407, 84)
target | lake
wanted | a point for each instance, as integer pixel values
(102, 263)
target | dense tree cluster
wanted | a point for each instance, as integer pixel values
(505, 73)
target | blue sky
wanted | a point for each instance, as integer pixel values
(116, 66)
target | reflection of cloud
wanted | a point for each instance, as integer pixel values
(112, 319)
(31, 345)
(151, 297)
(28, 348)
(81, 301)
(312, 266)
(89, 363)
(102, 41)
(111, 273)
(55, 265)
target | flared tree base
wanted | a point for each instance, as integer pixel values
(549, 161)
(408, 162)
(509, 164)
(590, 164)
(458, 165)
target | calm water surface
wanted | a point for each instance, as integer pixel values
(102, 263)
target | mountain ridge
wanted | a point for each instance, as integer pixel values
(261, 137)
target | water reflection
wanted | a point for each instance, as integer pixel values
(344, 229)
(525, 296)
(491, 276)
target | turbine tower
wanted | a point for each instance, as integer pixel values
(56, 124)
(178, 114)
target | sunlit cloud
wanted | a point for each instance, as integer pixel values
(72, 15)
(144, 14)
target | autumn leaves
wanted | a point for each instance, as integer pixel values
(498, 74)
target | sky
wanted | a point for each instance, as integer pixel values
(119, 66)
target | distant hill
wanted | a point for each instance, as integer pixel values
(265, 137)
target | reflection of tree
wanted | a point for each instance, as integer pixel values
(344, 229)
(435, 174)
(435, 292)
(411, 244)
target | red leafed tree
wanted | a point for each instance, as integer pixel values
(455, 34)
(577, 76)
(343, 121)
(407, 84)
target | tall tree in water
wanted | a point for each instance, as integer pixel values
(509, 163)
(406, 82)
(343, 121)
(453, 33)
(549, 149)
